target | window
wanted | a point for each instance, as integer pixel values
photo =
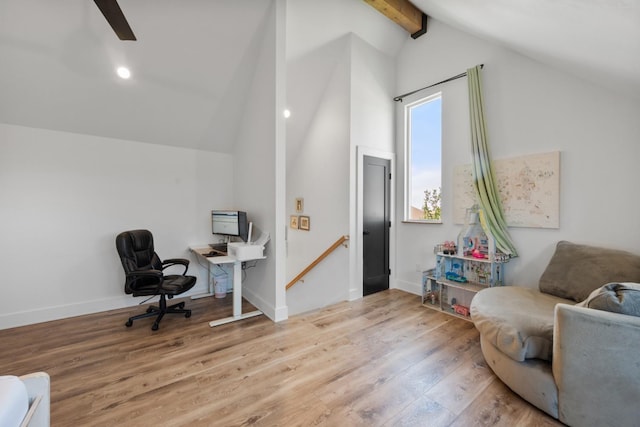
(423, 166)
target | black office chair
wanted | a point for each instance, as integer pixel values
(144, 275)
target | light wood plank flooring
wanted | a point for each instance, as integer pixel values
(381, 361)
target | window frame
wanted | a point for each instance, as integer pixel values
(408, 172)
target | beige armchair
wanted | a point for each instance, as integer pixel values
(577, 362)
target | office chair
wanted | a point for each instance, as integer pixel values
(144, 275)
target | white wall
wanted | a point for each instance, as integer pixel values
(355, 111)
(319, 173)
(530, 108)
(372, 134)
(372, 90)
(259, 166)
(256, 175)
(63, 199)
(339, 75)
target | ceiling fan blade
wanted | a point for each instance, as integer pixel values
(114, 16)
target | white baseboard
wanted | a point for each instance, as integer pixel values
(47, 314)
(281, 313)
(265, 307)
(355, 294)
(413, 288)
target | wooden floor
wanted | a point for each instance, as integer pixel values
(381, 361)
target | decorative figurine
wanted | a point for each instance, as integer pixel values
(461, 310)
(477, 254)
(449, 248)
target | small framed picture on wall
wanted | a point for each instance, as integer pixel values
(293, 222)
(299, 205)
(305, 223)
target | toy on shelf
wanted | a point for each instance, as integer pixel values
(463, 269)
(477, 254)
(476, 241)
(449, 247)
(460, 309)
(455, 277)
(501, 257)
(432, 297)
(472, 240)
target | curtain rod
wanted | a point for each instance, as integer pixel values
(399, 98)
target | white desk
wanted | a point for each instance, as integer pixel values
(237, 284)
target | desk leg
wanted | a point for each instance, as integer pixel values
(237, 299)
(210, 285)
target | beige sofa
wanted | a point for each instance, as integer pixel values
(570, 347)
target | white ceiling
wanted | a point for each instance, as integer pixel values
(194, 59)
(598, 40)
(191, 63)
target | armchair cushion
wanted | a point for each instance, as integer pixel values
(623, 298)
(576, 270)
(517, 321)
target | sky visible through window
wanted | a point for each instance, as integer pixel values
(426, 149)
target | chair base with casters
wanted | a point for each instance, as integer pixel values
(144, 275)
(160, 311)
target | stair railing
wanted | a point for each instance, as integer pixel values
(298, 278)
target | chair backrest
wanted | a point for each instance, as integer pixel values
(136, 251)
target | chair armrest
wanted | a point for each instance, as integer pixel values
(595, 366)
(147, 286)
(144, 273)
(176, 261)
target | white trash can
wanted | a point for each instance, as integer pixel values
(220, 284)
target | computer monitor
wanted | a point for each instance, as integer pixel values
(230, 223)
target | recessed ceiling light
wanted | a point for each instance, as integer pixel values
(286, 114)
(123, 72)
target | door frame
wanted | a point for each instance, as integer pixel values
(356, 288)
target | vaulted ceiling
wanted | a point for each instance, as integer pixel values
(598, 40)
(189, 68)
(193, 59)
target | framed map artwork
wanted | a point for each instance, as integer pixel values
(529, 188)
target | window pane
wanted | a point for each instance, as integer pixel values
(425, 155)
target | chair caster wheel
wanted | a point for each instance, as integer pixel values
(129, 323)
(181, 305)
(187, 314)
(155, 327)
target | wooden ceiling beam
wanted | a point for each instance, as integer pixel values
(403, 13)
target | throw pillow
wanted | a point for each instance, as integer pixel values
(623, 298)
(576, 270)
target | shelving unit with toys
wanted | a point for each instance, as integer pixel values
(462, 270)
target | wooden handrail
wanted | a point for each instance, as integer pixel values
(333, 247)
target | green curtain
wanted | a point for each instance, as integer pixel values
(492, 216)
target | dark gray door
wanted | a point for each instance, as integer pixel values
(376, 223)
